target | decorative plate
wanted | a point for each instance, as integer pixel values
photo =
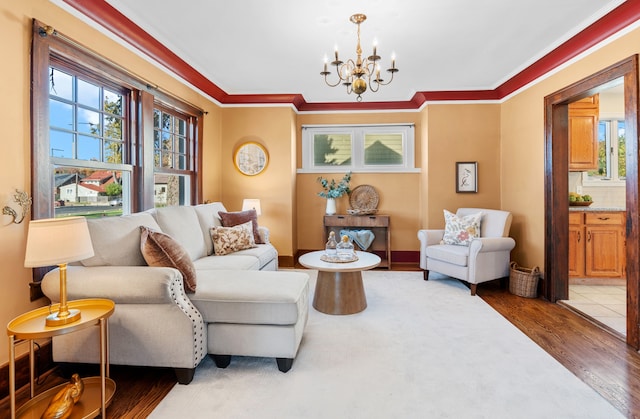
(364, 200)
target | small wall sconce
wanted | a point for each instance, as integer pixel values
(23, 199)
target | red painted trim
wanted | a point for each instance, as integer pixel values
(114, 21)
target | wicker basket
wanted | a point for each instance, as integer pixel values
(523, 281)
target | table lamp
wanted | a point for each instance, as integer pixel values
(248, 204)
(57, 241)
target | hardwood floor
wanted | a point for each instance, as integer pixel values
(597, 357)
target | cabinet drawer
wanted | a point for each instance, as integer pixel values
(575, 217)
(609, 218)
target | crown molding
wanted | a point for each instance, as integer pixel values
(121, 26)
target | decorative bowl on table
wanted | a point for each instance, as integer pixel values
(580, 203)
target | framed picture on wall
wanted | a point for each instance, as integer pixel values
(467, 176)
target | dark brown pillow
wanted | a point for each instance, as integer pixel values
(232, 219)
(159, 249)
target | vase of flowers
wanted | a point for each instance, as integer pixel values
(332, 190)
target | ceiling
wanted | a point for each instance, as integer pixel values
(254, 47)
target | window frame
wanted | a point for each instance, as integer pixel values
(612, 155)
(358, 133)
(54, 48)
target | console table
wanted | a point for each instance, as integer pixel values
(378, 224)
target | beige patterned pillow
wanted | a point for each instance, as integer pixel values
(159, 249)
(461, 230)
(232, 239)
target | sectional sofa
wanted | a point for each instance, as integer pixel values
(238, 304)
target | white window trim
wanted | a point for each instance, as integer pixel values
(358, 132)
(607, 182)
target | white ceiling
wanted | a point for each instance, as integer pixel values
(277, 46)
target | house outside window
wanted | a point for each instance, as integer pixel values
(358, 148)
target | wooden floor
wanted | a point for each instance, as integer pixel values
(597, 357)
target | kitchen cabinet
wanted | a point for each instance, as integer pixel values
(597, 244)
(583, 134)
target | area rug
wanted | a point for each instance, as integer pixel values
(421, 349)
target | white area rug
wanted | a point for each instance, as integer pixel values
(419, 350)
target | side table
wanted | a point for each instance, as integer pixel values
(98, 391)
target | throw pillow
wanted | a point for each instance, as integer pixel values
(232, 239)
(231, 219)
(461, 230)
(159, 249)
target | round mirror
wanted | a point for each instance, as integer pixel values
(251, 158)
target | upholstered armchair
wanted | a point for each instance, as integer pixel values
(480, 259)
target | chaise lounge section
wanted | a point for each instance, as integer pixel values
(241, 305)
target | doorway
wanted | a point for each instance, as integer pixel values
(556, 282)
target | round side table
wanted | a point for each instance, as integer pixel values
(98, 391)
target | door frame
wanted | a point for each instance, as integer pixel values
(555, 285)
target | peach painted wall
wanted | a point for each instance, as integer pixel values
(273, 127)
(399, 193)
(15, 164)
(522, 133)
(461, 133)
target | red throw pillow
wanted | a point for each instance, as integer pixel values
(159, 249)
(231, 219)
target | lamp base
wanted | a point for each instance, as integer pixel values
(54, 319)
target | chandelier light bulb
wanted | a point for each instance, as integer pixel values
(357, 74)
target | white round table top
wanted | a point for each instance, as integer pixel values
(365, 261)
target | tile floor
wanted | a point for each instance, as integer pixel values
(604, 303)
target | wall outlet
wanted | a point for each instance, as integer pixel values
(579, 189)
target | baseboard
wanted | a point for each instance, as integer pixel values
(43, 363)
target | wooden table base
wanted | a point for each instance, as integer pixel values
(339, 293)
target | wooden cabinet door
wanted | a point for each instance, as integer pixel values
(576, 244)
(605, 244)
(576, 250)
(583, 134)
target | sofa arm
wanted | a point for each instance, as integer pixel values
(122, 284)
(430, 237)
(491, 244)
(264, 233)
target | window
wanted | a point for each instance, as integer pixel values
(105, 142)
(173, 150)
(87, 120)
(611, 151)
(363, 148)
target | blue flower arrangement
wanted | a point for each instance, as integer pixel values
(333, 189)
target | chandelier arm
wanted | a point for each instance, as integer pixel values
(329, 84)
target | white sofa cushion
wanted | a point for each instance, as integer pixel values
(251, 297)
(235, 261)
(116, 240)
(208, 217)
(182, 224)
(450, 253)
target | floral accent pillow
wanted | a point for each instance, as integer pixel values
(232, 239)
(159, 249)
(461, 230)
(232, 219)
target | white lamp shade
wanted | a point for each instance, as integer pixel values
(253, 203)
(54, 241)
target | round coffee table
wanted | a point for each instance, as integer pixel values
(339, 289)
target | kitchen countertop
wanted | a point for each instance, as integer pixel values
(596, 209)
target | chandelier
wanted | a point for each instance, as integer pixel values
(356, 75)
